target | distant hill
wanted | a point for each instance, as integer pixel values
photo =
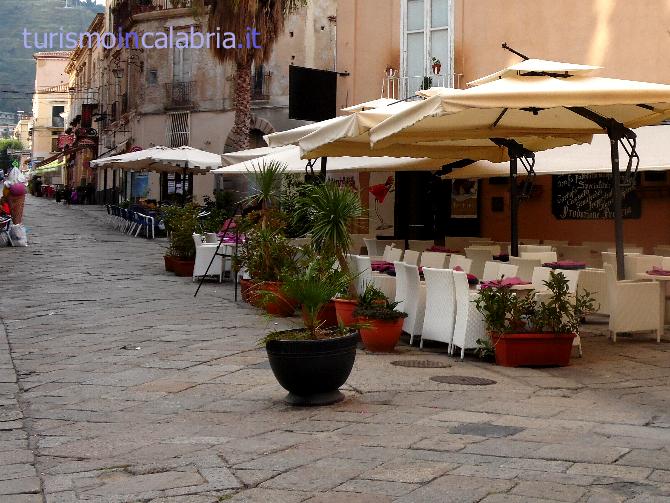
(17, 67)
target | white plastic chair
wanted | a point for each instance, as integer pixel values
(435, 260)
(203, 256)
(460, 261)
(490, 271)
(469, 323)
(415, 303)
(440, 315)
(525, 266)
(479, 257)
(391, 253)
(373, 246)
(507, 271)
(411, 257)
(635, 306)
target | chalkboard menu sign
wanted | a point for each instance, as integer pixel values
(589, 197)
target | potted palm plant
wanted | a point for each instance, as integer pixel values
(330, 211)
(379, 321)
(180, 224)
(312, 362)
(537, 330)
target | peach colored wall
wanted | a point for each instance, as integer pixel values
(368, 41)
(536, 220)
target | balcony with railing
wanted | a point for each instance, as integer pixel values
(179, 95)
(260, 85)
(400, 88)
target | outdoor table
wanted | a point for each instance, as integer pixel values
(566, 265)
(665, 291)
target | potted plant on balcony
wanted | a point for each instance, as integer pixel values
(437, 66)
(330, 211)
(312, 362)
(180, 224)
(537, 330)
(379, 321)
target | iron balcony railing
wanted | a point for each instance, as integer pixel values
(179, 94)
(260, 85)
(400, 88)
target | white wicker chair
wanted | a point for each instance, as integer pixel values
(436, 260)
(554, 243)
(635, 306)
(490, 271)
(460, 261)
(535, 248)
(469, 323)
(598, 246)
(391, 253)
(610, 258)
(203, 256)
(540, 275)
(628, 249)
(529, 241)
(507, 271)
(479, 257)
(663, 250)
(374, 247)
(364, 271)
(594, 281)
(415, 303)
(526, 266)
(665, 263)
(411, 257)
(440, 315)
(400, 285)
(634, 264)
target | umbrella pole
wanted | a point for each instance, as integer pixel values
(618, 212)
(324, 163)
(514, 208)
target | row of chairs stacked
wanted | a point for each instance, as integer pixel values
(130, 222)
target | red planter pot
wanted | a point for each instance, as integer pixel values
(245, 290)
(380, 335)
(169, 263)
(327, 316)
(183, 268)
(345, 311)
(272, 300)
(533, 350)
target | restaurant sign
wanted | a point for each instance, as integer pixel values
(589, 197)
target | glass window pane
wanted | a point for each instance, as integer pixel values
(439, 47)
(415, 15)
(415, 55)
(439, 13)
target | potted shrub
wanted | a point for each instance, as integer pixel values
(312, 363)
(330, 211)
(180, 224)
(379, 322)
(533, 332)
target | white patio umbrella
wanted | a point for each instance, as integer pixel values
(163, 159)
(535, 98)
(290, 156)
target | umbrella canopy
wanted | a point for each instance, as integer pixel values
(290, 156)
(582, 159)
(163, 159)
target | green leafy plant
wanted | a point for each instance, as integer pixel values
(562, 312)
(265, 180)
(267, 254)
(485, 349)
(180, 223)
(373, 304)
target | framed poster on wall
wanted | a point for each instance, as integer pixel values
(464, 194)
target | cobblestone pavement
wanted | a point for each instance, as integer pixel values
(130, 390)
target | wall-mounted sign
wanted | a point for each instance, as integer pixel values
(589, 197)
(464, 198)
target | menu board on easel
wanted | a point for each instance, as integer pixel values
(589, 197)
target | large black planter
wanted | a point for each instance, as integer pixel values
(312, 371)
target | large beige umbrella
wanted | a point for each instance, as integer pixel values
(532, 98)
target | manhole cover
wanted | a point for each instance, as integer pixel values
(422, 364)
(467, 380)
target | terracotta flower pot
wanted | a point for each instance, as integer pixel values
(533, 350)
(169, 263)
(273, 301)
(183, 268)
(380, 335)
(345, 311)
(327, 316)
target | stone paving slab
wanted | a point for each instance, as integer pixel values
(116, 385)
